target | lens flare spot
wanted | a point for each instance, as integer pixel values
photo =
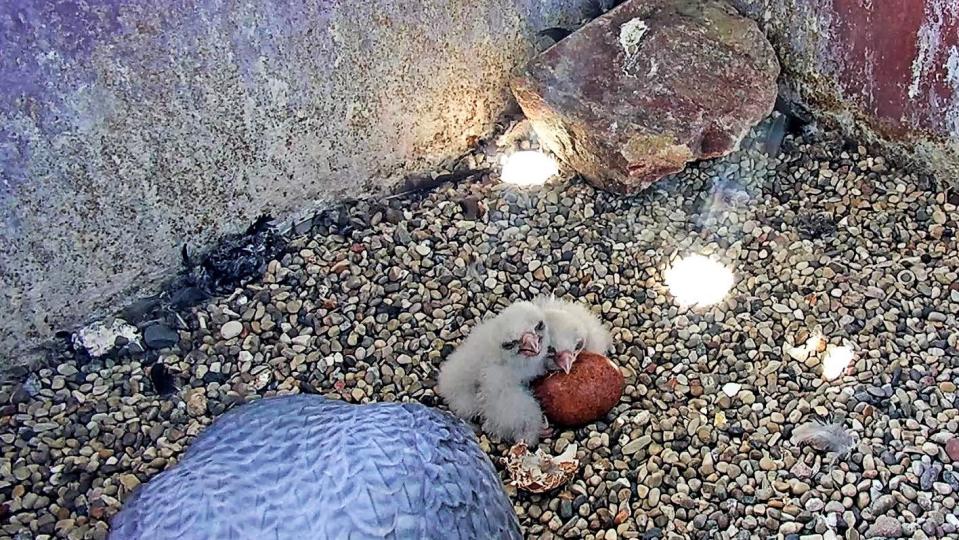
(699, 281)
(836, 360)
(528, 168)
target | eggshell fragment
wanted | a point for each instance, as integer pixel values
(540, 472)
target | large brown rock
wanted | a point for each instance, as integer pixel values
(637, 93)
(584, 395)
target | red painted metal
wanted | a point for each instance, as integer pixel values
(891, 58)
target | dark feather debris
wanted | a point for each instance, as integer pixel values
(234, 262)
(163, 381)
(813, 226)
(774, 136)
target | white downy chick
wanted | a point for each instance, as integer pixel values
(487, 375)
(573, 328)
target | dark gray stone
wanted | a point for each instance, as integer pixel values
(160, 336)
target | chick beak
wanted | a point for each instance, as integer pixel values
(564, 360)
(529, 344)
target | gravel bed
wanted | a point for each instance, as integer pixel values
(823, 238)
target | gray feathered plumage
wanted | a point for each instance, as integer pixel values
(305, 467)
(824, 437)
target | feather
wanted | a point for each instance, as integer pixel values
(774, 136)
(307, 467)
(164, 383)
(235, 260)
(824, 437)
(540, 472)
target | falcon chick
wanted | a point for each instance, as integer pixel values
(487, 375)
(573, 328)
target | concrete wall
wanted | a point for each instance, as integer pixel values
(128, 127)
(884, 70)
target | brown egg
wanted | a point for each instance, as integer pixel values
(584, 395)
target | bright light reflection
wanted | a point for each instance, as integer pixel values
(697, 281)
(528, 168)
(836, 361)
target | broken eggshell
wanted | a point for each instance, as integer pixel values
(540, 472)
(814, 345)
(592, 387)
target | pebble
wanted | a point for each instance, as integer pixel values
(129, 481)
(885, 527)
(653, 498)
(635, 446)
(196, 402)
(952, 449)
(67, 370)
(731, 389)
(231, 329)
(160, 336)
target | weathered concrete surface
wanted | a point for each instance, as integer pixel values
(128, 128)
(886, 71)
(637, 93)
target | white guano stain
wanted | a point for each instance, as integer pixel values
(952, 80)
(929, 41)
(630, 36)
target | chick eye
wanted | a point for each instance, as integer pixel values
(551, 350)
(510, 344)
(579, 345)
(540, 326)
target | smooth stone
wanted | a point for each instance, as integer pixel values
(231, 329)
